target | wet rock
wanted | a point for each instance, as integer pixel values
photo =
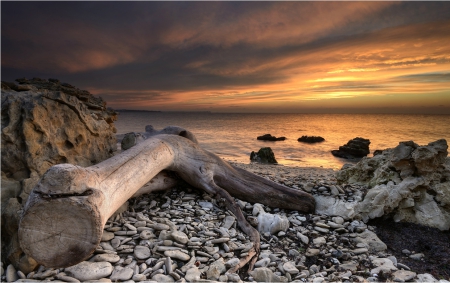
(355, 148)
(311, 139)
(264, 155)
(269, 137)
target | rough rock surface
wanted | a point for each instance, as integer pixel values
(264, 155)
(310, 139)
(269, 137)
(355, 148)
(45, 122)
(409, 182)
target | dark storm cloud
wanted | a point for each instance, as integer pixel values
(234, 52)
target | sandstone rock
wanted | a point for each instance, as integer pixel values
(45, 123)
(409, 182)
(264, 155)
(371, 240)
(355, 148)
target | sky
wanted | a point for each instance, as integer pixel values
(284, 57)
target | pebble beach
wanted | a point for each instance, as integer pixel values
(184, 235)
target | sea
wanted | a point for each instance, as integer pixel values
(232, 136)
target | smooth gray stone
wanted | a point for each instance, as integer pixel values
(88, 271)
(121, 274)
(142, 252)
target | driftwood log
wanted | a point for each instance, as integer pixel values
(66, 212)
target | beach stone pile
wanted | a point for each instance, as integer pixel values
(44, 123)
(184, 235)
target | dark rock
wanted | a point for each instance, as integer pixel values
(311, 139)
(377, 152)
(355, 148)
(264, 155)
(269, 137)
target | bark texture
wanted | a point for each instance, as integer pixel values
(64, 217)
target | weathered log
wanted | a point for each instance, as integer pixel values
(64, 217)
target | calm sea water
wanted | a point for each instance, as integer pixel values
(233, 136)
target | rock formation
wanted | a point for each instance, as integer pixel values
(310, 139)
(45, 122)
(269, 137)
(264, 155)
(409, 182)
(355, 148)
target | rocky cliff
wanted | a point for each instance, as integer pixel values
(43, 123)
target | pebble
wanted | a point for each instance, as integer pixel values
(290, 267)
(142, 252)
(177, 255)
(88, 271)
(262, 262)
(122, 274)
(106, 257)
(189, 237)
(403, 275)
(319, 241)
(11, 274)
(106, 236)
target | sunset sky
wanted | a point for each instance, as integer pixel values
(296, 57)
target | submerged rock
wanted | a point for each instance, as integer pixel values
(355, 148)
(311, 139)
(269, 137)
(264, 155)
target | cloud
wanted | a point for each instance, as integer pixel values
(224, 54)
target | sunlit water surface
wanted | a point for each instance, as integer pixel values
(233, 136)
